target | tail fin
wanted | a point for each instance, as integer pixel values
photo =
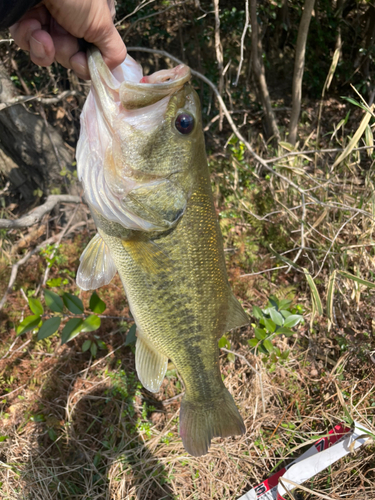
(201, 421)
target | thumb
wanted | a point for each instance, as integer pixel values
(111, 45)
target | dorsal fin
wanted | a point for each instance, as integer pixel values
(97, 267)
(236, 315)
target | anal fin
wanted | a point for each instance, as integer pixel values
(236, 315)
(150, 364)
(96, 267)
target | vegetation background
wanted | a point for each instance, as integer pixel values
(287, 103)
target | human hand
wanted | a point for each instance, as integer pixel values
(50, 31)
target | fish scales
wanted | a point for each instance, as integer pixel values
(189, 301)
(164, 239)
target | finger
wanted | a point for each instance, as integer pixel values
(65, 46)
(33, 20)
(112, 48)
(22, 31)
(42, 49)
(79, 64)
(102, 33)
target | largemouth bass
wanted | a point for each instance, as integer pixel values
(141, 158)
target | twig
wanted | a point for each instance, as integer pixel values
(219, 56)
(243, 40)
(265, 271)
(144, 3)
(40, 100)
(37, 214)
(167, 402)
(296, 485)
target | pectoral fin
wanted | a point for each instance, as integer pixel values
(151, 365)
(97, 267)
(236, 315)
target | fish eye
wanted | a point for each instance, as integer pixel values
(184, 123)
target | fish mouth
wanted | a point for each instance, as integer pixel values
(153, 88)
(128, 85)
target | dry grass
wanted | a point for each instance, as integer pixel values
(99, 451)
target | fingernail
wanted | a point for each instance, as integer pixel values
(80, 70)
(37, 48)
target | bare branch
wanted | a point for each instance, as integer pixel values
(299, 65)
(260, 73)
(37, 214)
(219, 56)
(40, 100)
(245, 28)
(262, 272)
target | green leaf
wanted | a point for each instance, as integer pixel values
(223, 342)
(270, 325)
(284, 304)
(274, 302)
(53, 301)
(231, 357)
(285, 331)
(351, 100)
(93, 349)
(360, 281)
(262, 349)
(285, 313)
(253, 342)
(131, 337)
(91, 323)
(314, 292)
(36, 306)
(260, 333)
(86, 345)
(356, 137)
(276, 317)
(71, 330)
(257, 312)
(330, 295)
(268, 345)
(54, 282)
(292, 320)
(29, 323)
(3, 438)
(73, 303)
(96, 304)
(52, 434)
(285, 354)
(49, 327)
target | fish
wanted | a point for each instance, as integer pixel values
(142, 162)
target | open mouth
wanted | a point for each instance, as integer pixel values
(152, 88)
